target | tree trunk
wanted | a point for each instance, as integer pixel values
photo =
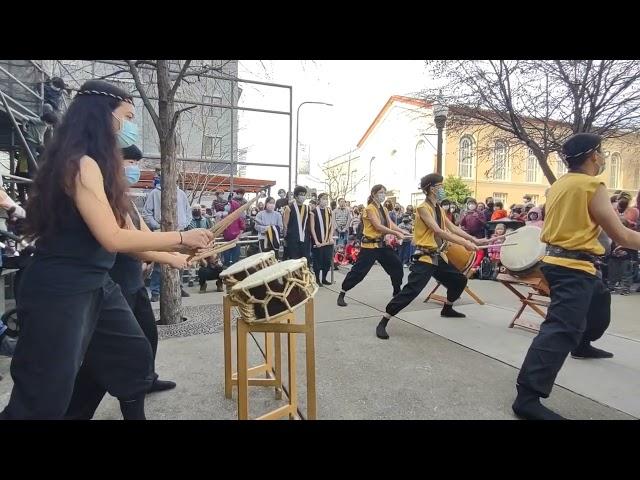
(170, 298)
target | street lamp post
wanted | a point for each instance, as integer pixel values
(295, 182)
(440, 112)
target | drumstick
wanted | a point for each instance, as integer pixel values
(498, 245)
(214, 251)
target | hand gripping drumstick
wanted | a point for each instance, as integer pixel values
(213, 251)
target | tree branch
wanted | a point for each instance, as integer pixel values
(141, 90)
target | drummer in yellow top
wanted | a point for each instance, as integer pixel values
(431, 229)
(577, 210)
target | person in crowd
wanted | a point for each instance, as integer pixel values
(406, 247)
(198, 220)
(296, 227)
(534, 217)
(488, 212)
(269, 225)
(233, 231)
(210, 269)
(473, 223)
(321, 227)
(342, 218)
(282, 201)
(499, 212)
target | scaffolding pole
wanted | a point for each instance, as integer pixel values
(30, 156)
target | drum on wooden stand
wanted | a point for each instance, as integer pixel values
(274, 291)
(459, 257)
(523, 256)
(246, 267)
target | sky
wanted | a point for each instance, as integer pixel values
(358, 89)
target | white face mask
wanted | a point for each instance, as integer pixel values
(323, 203)
(471, 207)
(301, 198)
(381, 197)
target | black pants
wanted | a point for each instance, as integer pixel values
(208, 273)
(322, 261)
(58, 334)
(296, 249)
(366, 258)
(88, 392)
(419, 276)
(579, 312)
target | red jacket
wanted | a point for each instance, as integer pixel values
(234, 230)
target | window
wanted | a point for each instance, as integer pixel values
(212, 111)
(532, 168)
(500, 164)
(417, 198)
(465, 157)
(500, 197)
(212, 147)
(614, 176)
(561, 167)
(420, 163)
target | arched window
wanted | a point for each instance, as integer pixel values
(614, 176)
(500, 160)
(420, 159)
(532, 167)
(465, 157)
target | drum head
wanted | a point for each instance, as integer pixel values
(248, 262)
(270, 274)
(528, 250)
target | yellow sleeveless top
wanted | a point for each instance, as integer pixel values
(567, 223)
(423, 236)
(368, 230)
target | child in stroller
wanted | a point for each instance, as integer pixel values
(347, 255)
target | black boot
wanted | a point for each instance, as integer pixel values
(341, 301)
(381, 329)
(586, 350)
(133, 409)
(528, 407)
(448, 311)
(326, 282)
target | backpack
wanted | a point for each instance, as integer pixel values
(486, 270)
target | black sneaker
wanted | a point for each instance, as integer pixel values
(161, 385)
(326, 282)
(528, 407)
(219, 286)
(448, 311)
(584, 352)
(203, 288)
(381, 329)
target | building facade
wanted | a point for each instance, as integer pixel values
(400, 147)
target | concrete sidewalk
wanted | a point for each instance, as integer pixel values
(430, 368)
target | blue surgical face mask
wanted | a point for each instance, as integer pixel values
(440, 194)
(132, 172)
(128, 133)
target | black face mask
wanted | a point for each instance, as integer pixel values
(489, 205)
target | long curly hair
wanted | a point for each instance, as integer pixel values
(85, 129)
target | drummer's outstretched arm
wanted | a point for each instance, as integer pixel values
(453, 237)
(461, 233)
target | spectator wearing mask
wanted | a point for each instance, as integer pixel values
(499, 212)
(411, 212)
(321, 227)
(342, 218)
(296, 226)
(198, 220)
(488, 212)
(494, 251)
(260, 206)
(446, 206)
(252, 220)
(233, 231)
(210, 269)
(534, 217)
(269, 226)
(481, 208)
(152, 215)
(406, 248)
(473, 222)
(455, 213)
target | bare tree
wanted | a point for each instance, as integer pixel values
(340, 181)
(165, 118)
(539, 103)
